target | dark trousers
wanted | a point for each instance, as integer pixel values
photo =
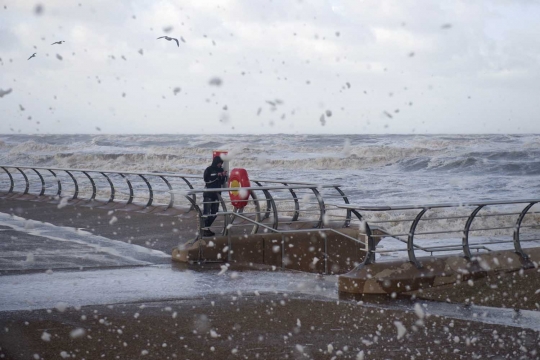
(211, 207)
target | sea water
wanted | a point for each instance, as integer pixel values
(371, 169)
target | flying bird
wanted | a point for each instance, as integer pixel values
(33, 55)
(4, 92)
(169, 39)
(58, 42)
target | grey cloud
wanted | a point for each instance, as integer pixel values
(490, 54)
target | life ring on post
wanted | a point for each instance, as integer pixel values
(238, 178)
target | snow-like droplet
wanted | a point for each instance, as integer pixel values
(360, 355)
(46, 336)
(401, 330)
(419, 311)
(77, 333)
(223, 270)
(243, 193)
(63, 202)
(61, 306)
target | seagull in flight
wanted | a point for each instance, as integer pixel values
(58, 42)
(33, 55)
(168, 38)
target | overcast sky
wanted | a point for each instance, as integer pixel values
(374, 66)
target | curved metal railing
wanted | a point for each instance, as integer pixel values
(281, 201)
(279, 205)
(85, 184)
(502, 217)
(274, 213)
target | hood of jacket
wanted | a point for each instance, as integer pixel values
(216, 161)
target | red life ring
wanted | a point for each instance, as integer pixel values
(238, 178)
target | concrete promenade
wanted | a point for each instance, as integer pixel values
(94, 284)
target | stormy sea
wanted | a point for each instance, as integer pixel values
(372, 169)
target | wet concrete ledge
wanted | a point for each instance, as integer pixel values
(399, 277)
(300, 251)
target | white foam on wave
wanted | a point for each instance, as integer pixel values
(377, 169)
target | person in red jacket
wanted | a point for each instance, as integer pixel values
(214, 177)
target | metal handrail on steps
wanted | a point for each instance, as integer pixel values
(360, 211)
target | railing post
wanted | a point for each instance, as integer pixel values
(76, 193)
(12, 183)
(410, 240)
(171, 201)
(42, 182)
(282, 251)
(296, 204)
(191, 187)
(268, 204)
(271, 205)
(370, 246)
(346, 200)
(130, 200)
(325, 254)
(94, 189)
(517, 244)
(465, 240)
(111, 198)
(26, 181)
(322, 211)
(150, 192)
(229, 244)
(225, 218)
(199, 215)
(59, 192)
(255, 228)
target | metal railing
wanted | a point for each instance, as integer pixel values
(281, 206)
(279, 198)
(278, 207)
(68, 183)
(503, 212)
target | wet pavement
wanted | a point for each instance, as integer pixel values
(157, 230)
(67, 292)
(264, 326)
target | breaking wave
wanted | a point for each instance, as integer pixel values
(374, 169)
(166, 153)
